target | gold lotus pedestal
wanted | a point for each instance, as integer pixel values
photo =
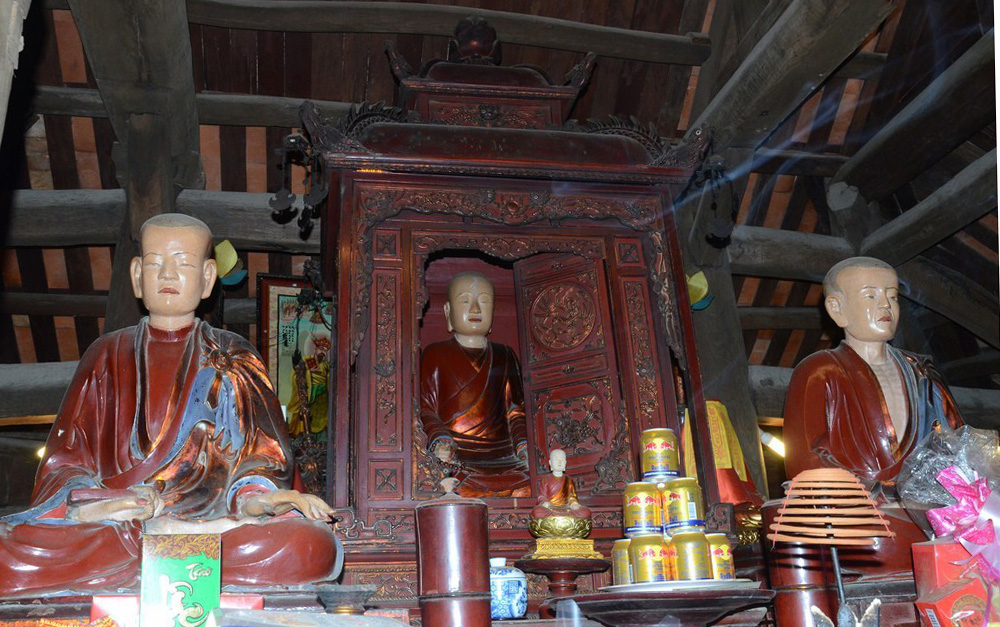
(561, 553)
(560, 537)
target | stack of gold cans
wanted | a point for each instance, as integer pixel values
(665, 536)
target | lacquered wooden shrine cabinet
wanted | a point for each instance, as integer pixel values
(480, 170)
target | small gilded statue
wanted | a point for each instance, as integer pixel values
(557, 494)
(559, 521)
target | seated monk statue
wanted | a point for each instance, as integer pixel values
(863, 406)
(167, 426)
(557, 495)
(471, 397)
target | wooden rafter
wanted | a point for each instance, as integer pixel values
(758, 251)
(764, 252)
(985, 363)
(140, 55)
(954, 296)
(796, 162)
(956, 105)
(802, 48)
(92, 217)
(780, 317)
(317, 16)
(213, 108)
(959, 202)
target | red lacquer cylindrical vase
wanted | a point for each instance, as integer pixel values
(453, 562)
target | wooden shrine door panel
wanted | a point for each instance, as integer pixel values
(572, 389)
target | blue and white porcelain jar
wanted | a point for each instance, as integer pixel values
(508, 590)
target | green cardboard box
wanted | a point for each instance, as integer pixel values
(180, 579)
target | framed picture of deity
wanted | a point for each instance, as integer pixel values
(293, 336)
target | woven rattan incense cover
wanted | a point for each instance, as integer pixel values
(828, 506)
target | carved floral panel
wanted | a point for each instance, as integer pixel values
(646, 388)
(393, 582)
(579, 418)
(564, 317)
(385, 433)
(488, 115)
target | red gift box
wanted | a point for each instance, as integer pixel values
(124, 608)
(956, 604)
(937, 563)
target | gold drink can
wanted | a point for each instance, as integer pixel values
(670, 559)
(693, 561)
(660, 454)
(721, 554)
(646, 554)
(621, 568)
(682, 505)
(643, 509)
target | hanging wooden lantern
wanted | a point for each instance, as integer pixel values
(828, 506)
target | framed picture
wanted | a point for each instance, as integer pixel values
(293, 335)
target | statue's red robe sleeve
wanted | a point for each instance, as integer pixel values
(430, 391)
(82, 445)
(516, 418)
(814, 399)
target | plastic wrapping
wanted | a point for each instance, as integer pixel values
(949, 484)
(974, 452)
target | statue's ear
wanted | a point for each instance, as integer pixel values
(834, 304)
(447, 317)
(135, 270)
(210, 272)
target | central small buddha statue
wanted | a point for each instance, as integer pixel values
(559, 521)
(559, 513)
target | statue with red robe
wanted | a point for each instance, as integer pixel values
(865, 404)
(557, 494)
(862, 406)
(472, 399)
(170, 426)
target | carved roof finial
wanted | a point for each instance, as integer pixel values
(475, 42)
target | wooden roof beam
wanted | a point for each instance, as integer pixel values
(774, 253)
(213, 108)
(50, 304)
(953, 295)
(61, 218)
(319, 16)
(804, 46)
(985, 363)
(235, 311)
(959, 103)
(92, 218)
(796, 162)
(778, 254)
(959, 202)
(780, 317)
(140, 55)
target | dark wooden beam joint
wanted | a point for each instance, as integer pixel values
(803, 46)
(956, 204)
(956, 105)
(319, 16)
(712, 197)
